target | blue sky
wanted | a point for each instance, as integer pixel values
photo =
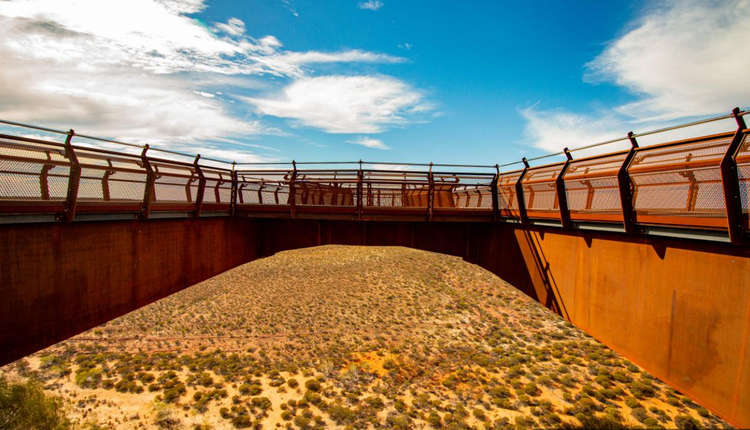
(393, 80)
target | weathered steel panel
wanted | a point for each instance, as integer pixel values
(680, 309)
(57, 280)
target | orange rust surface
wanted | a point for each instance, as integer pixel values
(680, 309)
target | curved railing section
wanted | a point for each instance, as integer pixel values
(698, 187)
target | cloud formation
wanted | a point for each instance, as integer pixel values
(346, 104)
(370, 5)
(369, 142)
(140, 70)
(681, 59)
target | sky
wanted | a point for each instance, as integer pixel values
(477, 82)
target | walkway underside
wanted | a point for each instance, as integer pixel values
(679, 308)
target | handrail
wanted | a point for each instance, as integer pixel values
(735, 113)
(172, 186)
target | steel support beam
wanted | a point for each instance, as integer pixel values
(201, 187)
(730, 182)
(519, 193)
(562, 198)
(626, 188)
(149, 192)
(74, 179)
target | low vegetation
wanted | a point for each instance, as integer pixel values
(352, 338)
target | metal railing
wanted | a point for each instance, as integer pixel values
(702, 183)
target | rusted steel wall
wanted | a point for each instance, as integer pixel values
(57, 280)
(680, 309)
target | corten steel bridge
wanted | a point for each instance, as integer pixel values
(645, 248)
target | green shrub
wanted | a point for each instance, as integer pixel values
(685, 422)
(531, 389)
(341, 414)
(262, 402)
(479, 414)
(25, 406)
(312, 385)
(632, 402)
(434, 420)
(594, 422)
(89, 378)
(242, 421)
(640, 414)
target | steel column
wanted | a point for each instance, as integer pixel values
(74, 179)
(626, 188)
(234, 190)
(562, 198)
(149, 192)
(731, 182)
(495, 200)
(430, 193)
(360, 190)
(201, 187)
(292, 191)
(519, 193)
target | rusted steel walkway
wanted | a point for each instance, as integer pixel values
(646, 248)
(697, 187)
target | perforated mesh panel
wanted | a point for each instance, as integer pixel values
(175, 183)
(743, 171)
(539, 191)
(463, 190)
(218, 186)
(263, 187)
(326, 188)
(507, 198)
(679, 182)
(592, 188)
(471, 197)
(395, 189)
(110, 178)
(32, 171)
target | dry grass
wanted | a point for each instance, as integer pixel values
(373, 337)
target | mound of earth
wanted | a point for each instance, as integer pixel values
(354, 337)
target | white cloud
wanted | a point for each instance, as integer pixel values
(553, 130)
(346, 104)
(370, 5)
(312, 57)
(233, 27)
(683, 58)
(369, 142)
(139, 69)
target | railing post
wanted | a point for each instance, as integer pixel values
(148, 193)
(201, 187)
(292, 191)
(562, 198)
(234, 190)
(519, 193)
(626, 188)
(430, 193)
(360, 190)
(731, 183)
(74, 179)
(495, 200)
